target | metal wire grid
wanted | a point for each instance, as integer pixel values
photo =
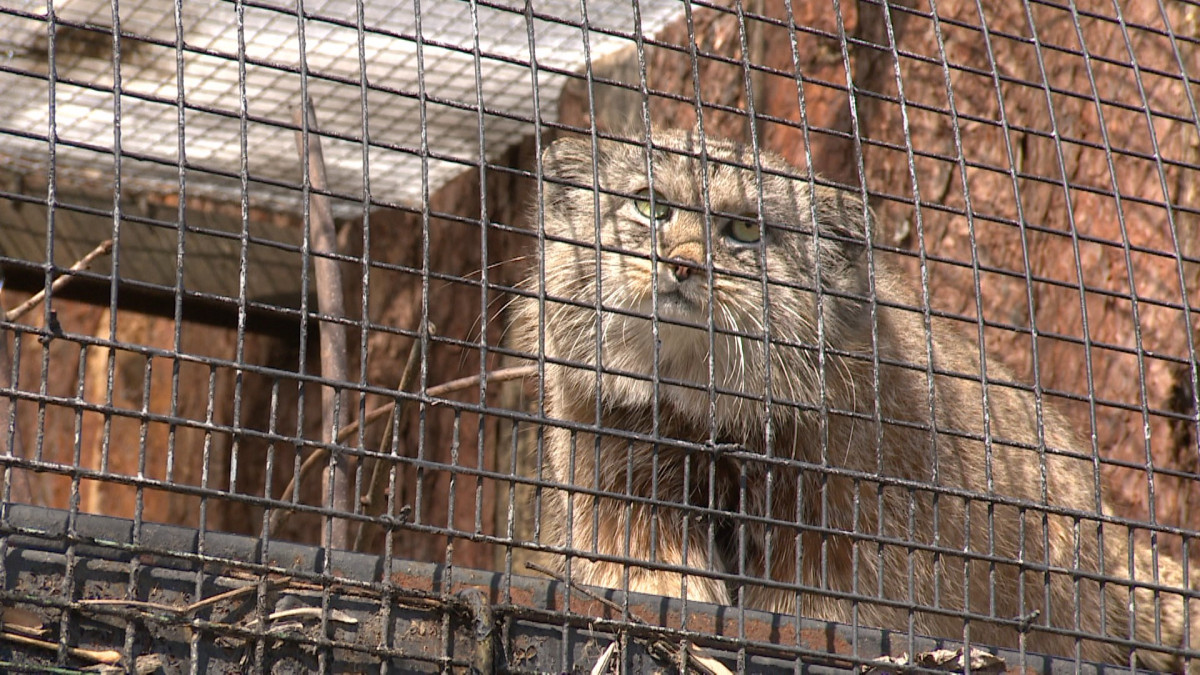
(231, 69)
(428, 619)
(193, 366)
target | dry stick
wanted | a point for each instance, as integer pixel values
(190, 609)
(19, 490)
(374, 492)
(272, 585)
(323, 238)
(20, 310)
(106, 656)
(134, 604)
(581, 590)
(280, 516)
(504, 374)
(657, 647)
(6, 365)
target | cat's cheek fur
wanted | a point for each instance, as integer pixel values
(619, 391)
(636, 278)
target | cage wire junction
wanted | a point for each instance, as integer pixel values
(263, 409)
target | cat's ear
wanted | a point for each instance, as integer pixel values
(844, 225)
(570, 160)
(843, 216)
(569, 175)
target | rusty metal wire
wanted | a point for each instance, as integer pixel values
(182, 468)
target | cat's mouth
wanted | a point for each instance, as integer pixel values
(670, 297)
(682, 301)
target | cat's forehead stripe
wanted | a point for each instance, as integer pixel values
(668, 165)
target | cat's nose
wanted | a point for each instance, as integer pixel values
(685, 260)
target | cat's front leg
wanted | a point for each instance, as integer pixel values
(646, 547)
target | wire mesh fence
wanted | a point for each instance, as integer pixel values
(600, 337)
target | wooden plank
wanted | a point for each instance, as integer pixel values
(146, 250)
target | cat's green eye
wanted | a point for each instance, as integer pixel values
(659, 211)
(745, 231)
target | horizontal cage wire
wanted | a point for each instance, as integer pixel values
(607, 337)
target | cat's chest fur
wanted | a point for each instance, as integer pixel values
(702, 376)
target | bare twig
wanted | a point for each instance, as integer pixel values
(602, 663)
(502, 375)
(27, 489)
(20, 310)
(188, 610)
(659, 648)
(323, 238)
(106, 656)
(279, 516)
(579, 589)
(184, 611)
(22, 622)
(134, 604)
(372, 495)
(231, 594)
(311, 613)
(21, 489)
(301, 613)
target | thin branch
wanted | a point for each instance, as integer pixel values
(20, 310)
(107, 656)
(279, 516)
(502, 375)
(330, 302)
(375, 486)
(581, 590)
(272, 584)
(29, 489)
(182, 611)
(658, 648)
(134, 604)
